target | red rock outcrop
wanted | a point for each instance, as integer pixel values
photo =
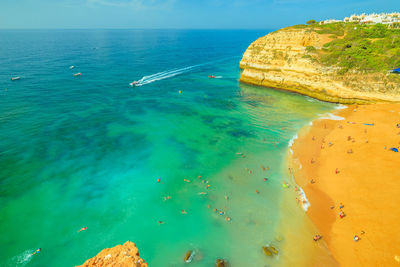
(121, 255)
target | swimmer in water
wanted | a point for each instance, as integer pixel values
(167, 197)
(82, 229)
(37, 251)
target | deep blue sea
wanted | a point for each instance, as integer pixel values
(87, 151)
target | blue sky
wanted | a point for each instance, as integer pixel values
(192, 14)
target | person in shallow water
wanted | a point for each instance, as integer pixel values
(37, 251)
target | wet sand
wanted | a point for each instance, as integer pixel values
(351, 163)
(296, 228)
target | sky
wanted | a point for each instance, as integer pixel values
(177, 14)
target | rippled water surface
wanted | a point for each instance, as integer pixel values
(88, 150)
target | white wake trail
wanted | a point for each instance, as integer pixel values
(153, 79)
(164, 75)
(171, 73)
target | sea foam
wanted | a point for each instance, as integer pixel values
(304, 201)
(340, 106)
(291, 142)
(330, 116)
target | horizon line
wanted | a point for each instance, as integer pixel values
(219, 29)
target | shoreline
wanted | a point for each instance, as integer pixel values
(350, 162)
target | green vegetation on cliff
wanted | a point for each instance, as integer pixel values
(367, 48)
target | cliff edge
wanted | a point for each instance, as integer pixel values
(121, 255)
(342, 62)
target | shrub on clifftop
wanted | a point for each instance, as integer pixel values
(370, 48)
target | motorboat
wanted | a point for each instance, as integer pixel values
(71, 67)
(78, 74)
(134, 83)
(15, 78)
(211, 76)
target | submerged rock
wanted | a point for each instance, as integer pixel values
(188, 256)
(273, 249)
(267, 251)
(221, 263)
(270, 250)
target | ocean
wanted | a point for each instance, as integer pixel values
(184, 149)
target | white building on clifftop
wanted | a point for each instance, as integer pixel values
(383, 18)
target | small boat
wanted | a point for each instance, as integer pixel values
(78, 74)
(211, 76)
(134, 83)
(71, 67)
(15, 78)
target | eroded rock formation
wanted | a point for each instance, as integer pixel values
(121, 255)
(281, 60)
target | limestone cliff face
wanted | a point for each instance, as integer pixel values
(281, 60)
(121, 255)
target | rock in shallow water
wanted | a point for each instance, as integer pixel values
(273, 249)
(121, 255)
(188, 256)
(221, 263)
(270, 250)
(267, 251)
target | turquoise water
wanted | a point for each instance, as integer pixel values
(87, 151)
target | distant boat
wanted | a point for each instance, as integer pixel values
(15, 78)
(78, 74)
(134, 83)
(211, 76)
(71, 67)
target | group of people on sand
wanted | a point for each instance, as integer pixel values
(356, 238)
(341, 212)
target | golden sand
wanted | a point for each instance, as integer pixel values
(351, 163)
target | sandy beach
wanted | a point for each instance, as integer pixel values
(350, 163)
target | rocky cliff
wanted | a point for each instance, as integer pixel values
(121, 255)
(288, 59)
